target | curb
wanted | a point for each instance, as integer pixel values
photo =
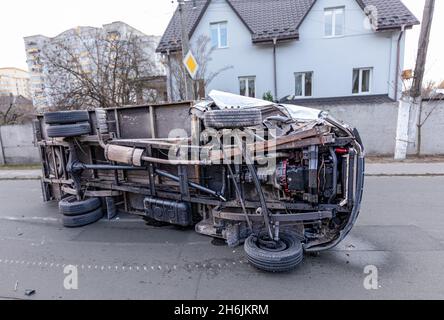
(52, 220)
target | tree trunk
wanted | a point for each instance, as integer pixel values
(419, 130)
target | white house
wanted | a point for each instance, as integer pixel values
(305, 49)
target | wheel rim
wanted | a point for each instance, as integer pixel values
(57, 166)
(265, 243)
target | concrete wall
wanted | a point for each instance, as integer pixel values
(331, 60)
(377, 126)
(433, 129)
(16, 145)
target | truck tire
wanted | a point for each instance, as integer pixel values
(83, 219)
(68, 130)
(282, 260)
(70, 206)
(64, 117)
(232, 118)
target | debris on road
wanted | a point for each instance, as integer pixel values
(29, 292)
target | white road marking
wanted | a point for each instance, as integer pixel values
(25, 219)
(134, 268)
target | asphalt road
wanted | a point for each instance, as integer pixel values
(400, 231)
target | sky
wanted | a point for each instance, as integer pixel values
(22, 18)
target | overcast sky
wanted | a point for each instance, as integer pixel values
(22, 18)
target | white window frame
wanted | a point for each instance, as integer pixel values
(370, 81)
(247, 87)
(218, 25)
(333, 21)
(304, 74)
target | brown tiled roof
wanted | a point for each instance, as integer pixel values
(392, 14)
(269, 19)
(364, 99)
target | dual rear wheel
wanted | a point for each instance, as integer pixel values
(64, 124)
(80, 213)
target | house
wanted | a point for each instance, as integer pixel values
(298, 49)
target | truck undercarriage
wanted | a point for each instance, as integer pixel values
(280, 179)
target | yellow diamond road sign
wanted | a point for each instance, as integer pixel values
(191, 64)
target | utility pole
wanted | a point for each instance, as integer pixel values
(185, 48)
(414, 105)
(423, 45)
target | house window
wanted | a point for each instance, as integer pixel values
(219, 35)
(303, 84)
(362, 80)
(334, 19)
(247, 86)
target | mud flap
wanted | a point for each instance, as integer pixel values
(111, 210)
(46, 191)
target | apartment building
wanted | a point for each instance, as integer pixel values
(14, 81)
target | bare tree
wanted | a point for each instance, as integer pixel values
(428, 89)
(15, 110)
(428, 92)
(202, 51)
(106, 71)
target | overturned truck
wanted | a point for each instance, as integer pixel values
(279, 179)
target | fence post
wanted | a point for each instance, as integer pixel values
(2, 151)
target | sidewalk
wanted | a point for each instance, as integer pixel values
(20, 174)
(375, 169)
(405, 169)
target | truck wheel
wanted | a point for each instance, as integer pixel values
(63, 117)
(287, 254)
(83, 219)
(70, 206)
(68, 130)
(232, 118)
